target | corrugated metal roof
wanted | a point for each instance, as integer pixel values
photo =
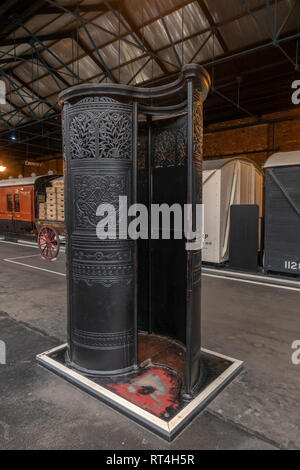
(237, 27)
(283, 159)
(223, 11)
(108, 22)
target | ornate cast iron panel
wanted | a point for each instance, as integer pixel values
(107, 283)
(99, 140)
(102, 128)
(170, 146)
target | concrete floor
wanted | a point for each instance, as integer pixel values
(38, 410)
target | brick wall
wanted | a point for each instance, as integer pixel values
(14, 169)
(275, 131)
(55, 165)
(18, 167)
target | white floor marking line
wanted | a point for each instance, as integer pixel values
(29, 245)
(28, 242)
(35, 245)
(253, 276)
(19, 244)
(245, 281)
(207, 275)
(263, 284)
(35, 267)
(22, 257)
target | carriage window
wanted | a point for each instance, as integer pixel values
(9, 203)
(17, 202)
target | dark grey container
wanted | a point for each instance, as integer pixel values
(282, 220)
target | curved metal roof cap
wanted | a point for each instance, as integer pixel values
(283, 159)
(217, 164)
(194, 72)
(23, 181)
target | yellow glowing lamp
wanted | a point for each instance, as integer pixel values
(2, 168)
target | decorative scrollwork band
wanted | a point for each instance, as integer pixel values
(107, 275)
(102, 340)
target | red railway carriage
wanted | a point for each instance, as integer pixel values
(19, 211)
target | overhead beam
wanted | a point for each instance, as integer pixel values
(99, 61)
(17, 109)
(115, 4)
(201, 46)
(205, 30)
(42, 146)
(24, 16)
(256, 20)
(246, 51)
(235, 55)
(53, 120)
(216, 32)
(99, 7)
(168, 33)
(42, 38)
(223, 59)
(138, 71)
(7, 6)
(52, 71)
(29, 59)
(16, 88)
(42, 61)
(27, 139)
(26, 87)
(12, 58)
(271, 19)
(117, 15)
(213, 25)
(91, 56)
(233, 103)
(36, 39)
(83, 23)
(128, 17)
(286, 19)
(259, 105)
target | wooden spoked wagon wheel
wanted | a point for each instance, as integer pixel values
(48, 241)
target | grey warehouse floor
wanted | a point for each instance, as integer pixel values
(38, 410)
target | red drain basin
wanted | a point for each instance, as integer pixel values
(156, 390)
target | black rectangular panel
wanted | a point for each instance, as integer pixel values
(244, 227)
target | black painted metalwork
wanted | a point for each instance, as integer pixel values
(244, 237)
(99, 142)
(114, 286)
